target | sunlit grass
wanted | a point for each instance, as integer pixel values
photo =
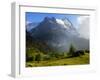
(83, 59)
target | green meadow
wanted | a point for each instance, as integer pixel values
(79, 60)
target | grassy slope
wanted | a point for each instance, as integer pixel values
(67, 61)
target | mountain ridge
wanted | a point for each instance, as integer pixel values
(58, 36)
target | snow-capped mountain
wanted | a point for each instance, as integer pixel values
(65, 22)
(52, 24)
(58, 34)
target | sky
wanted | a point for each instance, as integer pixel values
(80, 22)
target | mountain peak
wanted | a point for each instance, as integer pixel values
(53, 19)
(67, 21)
(46, 18)
(49, 19)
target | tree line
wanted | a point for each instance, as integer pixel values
(36, 55)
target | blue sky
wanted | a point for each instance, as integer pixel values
(80, 22)
(38, 17)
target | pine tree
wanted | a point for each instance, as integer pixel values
(71, 50)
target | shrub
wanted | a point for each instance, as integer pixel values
(87, 51)
(46, 57)
(54, 55)
(38, 57)
(31, 54)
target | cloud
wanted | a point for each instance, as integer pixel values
(83, 26)
(27, 22)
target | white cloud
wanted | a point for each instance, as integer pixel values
(83, 26)
(27, 22)
(81, 19)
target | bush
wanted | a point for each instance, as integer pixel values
(38, 57)
(65, 54)
(87, 51)
(31, 54)
(46, 57)
(30, 58)
(54, 55)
